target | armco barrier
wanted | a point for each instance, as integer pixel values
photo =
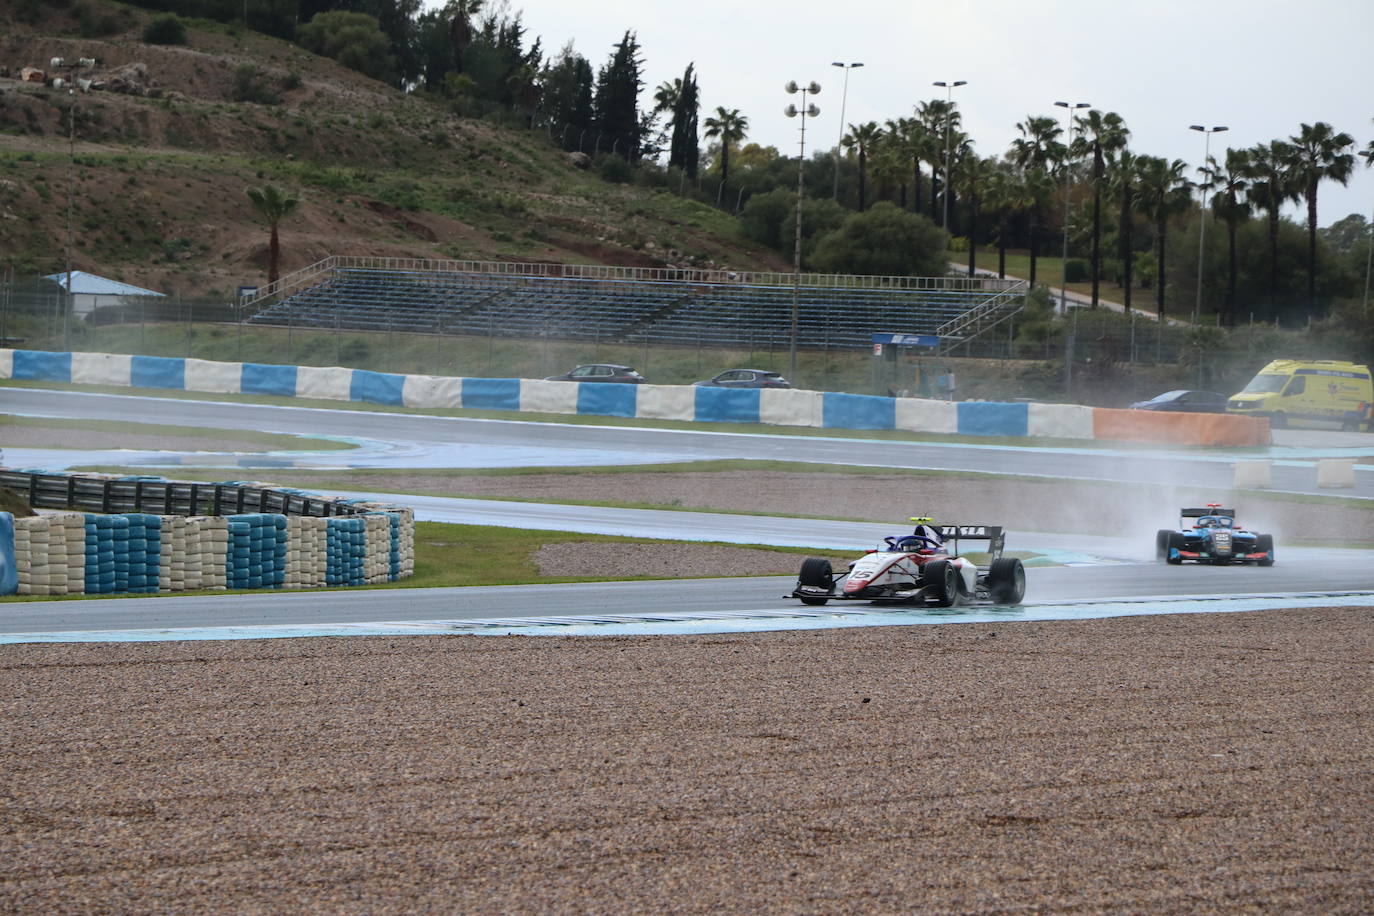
(300, 541)
(788, 407)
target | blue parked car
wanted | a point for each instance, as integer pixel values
(1211, 535)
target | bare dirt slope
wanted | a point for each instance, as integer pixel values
(1203, 763)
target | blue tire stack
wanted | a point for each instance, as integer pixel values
(100, 555)
(394, 556)
(257, 551)
(119, 527)
(345, 546)
(145, 568)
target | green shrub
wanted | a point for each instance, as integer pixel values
(97, 22)
(165, 30)
(249, 86)
(1075, 270)
(615, 170)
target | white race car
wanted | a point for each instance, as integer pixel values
(924, 568)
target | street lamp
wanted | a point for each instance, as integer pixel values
(844, 97)
(1369, 252)
(1068, 177)
(805, 111)
(949, 118)
(1202, 208)
(72, 84)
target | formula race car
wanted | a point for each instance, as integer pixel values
(1211, 535)
(923, 568)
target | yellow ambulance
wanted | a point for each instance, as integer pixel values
(1304, 390)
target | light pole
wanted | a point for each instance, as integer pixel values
(1068, 179)
(844, 97)
(1369, 252)
(949, 119)
(805, 111)
(72, 84)
(1202, 208)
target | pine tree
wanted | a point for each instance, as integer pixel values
(617, 99)
(683, 151)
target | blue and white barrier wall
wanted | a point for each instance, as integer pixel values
(784, 407)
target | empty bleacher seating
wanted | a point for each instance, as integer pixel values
(721, 312)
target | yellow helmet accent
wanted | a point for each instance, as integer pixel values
(922, 520)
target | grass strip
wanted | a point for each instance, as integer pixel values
(266, 441)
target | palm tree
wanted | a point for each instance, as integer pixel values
(1123, 179)
(273, 205)
(972, 179)
(915, 142)
(1232, 207)
(934, 116)
(862, 139)
(1163, 192)
(1101, 135)
(1271, 186)
(731, 127)
(889, 167)
(1006, 196)
(895, 145)
(1034, 152)
(667, 95)
(1318, 153)
(960, 148)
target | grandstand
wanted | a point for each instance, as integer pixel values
(651, 306)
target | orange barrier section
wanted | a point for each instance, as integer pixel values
(1179, 428)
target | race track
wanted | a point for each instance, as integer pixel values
(1101, 571)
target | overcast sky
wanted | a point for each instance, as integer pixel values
(1259, 67)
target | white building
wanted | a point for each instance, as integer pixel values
(90, 292)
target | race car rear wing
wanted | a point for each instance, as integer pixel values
(1210, 510)
(991, 533)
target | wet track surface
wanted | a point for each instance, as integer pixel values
(1100, 571)
(419, 441)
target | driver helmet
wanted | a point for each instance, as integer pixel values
(926, 529)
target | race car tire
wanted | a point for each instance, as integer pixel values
(1265, 542)
(943, 581)
(1162, 544)
(816, 573)
(1007, 581)
(1175, 542)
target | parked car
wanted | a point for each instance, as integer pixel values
(1185, 401)
(746, 378)
(600, 372)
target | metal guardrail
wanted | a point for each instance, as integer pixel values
(108, 495)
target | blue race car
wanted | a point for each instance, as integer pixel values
(1211, 535)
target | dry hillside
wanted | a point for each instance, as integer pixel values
(158, 175)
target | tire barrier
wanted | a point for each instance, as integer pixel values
(63, 552)
(792, 407)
